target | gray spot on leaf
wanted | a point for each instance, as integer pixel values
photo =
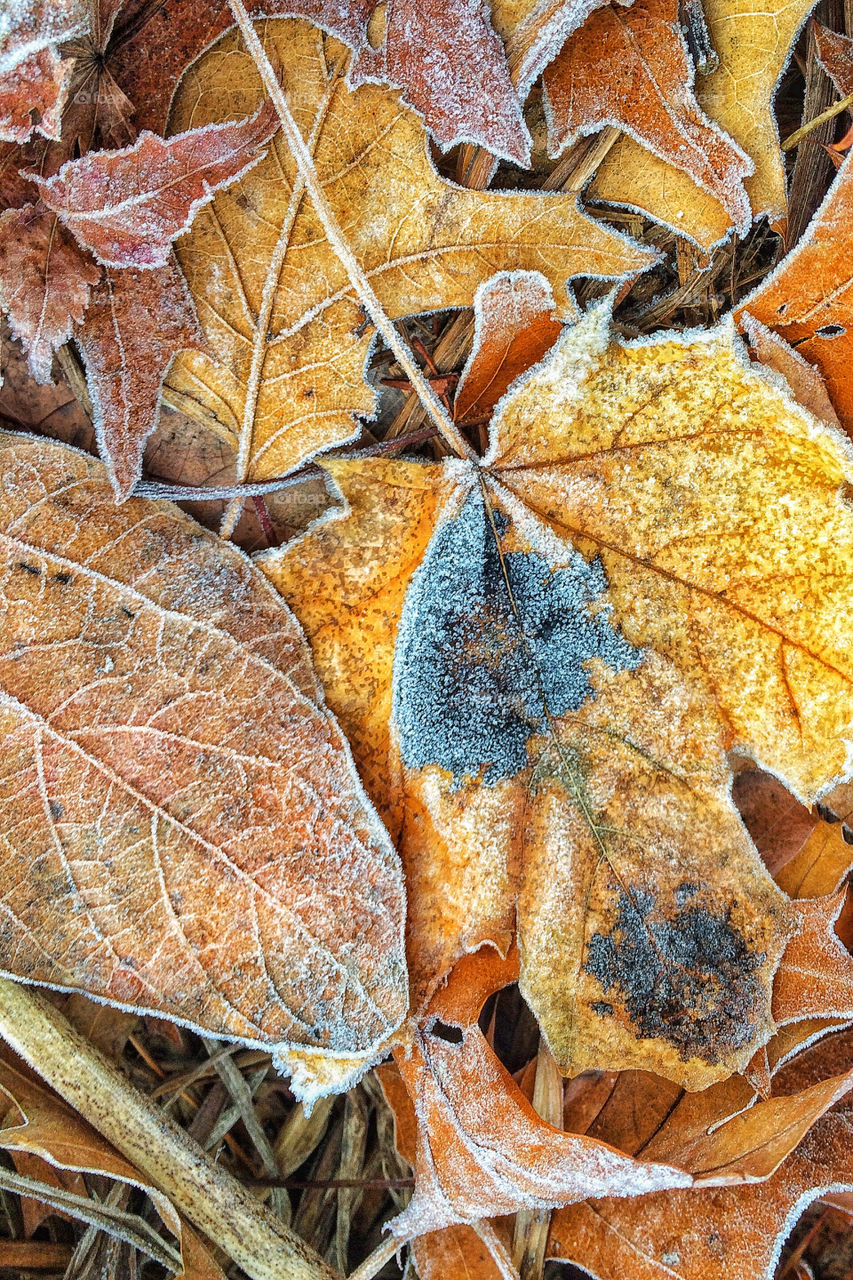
(477, 671)
(687, 978)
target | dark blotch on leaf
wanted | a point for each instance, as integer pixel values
(687, 978)
(477, 671)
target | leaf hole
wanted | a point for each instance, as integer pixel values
(831, 331)
(443, 1030)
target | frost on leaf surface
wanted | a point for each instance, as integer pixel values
(649, 569)
(128, 206)
(490, 645)
(808, 299)
(288, 339)
(181, 816)
(754, 43)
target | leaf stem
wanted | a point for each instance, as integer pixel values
(830, 112)
(204, 1192)
(433, 406)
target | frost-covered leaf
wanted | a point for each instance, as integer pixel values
(835, 53)
(808, 299)
(452, 67)
(753, 41)
(288, 339)
(806, 381)
(514, 327)
(481, 1149)
(566, 642)
(183, 828)
(630, 68)
(736, 1232)
(471, 1167)
(815, 978)
(33, 78)
(136, 322)
(128, 206)
(45, 279)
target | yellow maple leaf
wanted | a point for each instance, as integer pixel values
(288, 340)
(650, 568)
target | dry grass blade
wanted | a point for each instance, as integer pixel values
(205, 1192)
(124, 1226)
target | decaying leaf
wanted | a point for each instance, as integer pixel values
(452, 66)
(733, 1231)
(541, 663)
(482, 1150)
(630, 68)
(136, 322)
(46, 1137)
(836, 57)
(778, 823)
(183, 829)
(753, 42)
(805, 381)
(514, 327)
(287, 337)
(469, 1166)
(33, 78)
(808, 299)
(45, 279)
(128, 206)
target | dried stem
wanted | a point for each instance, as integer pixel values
(829, 114)
(164, 1153)
(435, 409)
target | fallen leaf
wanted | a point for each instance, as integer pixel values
(514, 328)
(51, 410)
(288, 339)
(808, 299)
(815, 978)
(778, 824)
(820, 866)
(45, 280)
(805, 381)
(631, 498)
(630, 68)
(33, 78)
(737, 1231)
(136, 323)
(482, 1150)
(452, 67)
(753, 42)
(835, 54)
(183, 820)
(128, 206)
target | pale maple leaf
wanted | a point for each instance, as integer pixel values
(288, 339)
(541, 662)
(184, 830)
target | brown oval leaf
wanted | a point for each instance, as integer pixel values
(184, 829)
